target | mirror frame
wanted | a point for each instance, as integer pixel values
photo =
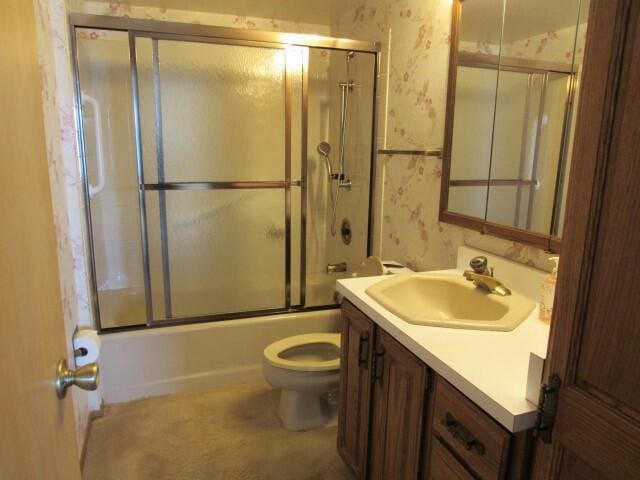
(547, 242)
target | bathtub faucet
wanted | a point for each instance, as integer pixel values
(336, 267)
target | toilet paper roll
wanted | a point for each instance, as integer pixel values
(86, 341)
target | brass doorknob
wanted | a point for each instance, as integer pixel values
(86, 378)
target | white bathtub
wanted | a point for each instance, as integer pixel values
(189, 358)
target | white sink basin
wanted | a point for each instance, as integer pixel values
(449, 301)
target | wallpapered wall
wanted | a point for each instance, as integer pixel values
(66, 189)
(415, 38)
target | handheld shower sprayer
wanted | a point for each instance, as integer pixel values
(324, 149)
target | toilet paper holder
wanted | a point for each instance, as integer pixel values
(86, 346)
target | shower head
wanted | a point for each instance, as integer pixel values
(324, 149)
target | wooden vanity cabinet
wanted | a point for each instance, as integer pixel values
(400, 421)
(382, 395)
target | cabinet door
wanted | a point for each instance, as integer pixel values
(355, 389)
(397, 410)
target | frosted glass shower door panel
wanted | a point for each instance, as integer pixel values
(110, 166)
(226, 251)
(217, 110)
(297, 59)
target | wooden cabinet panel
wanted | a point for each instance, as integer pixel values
(397, 411)
(355, 389)
(474, 436)
(444, 466)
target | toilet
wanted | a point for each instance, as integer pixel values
(307, 369)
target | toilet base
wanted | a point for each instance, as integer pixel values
(306, 411)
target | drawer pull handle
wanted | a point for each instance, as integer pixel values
(464, 436)
(363, 350)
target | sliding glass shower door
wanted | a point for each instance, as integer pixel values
(219, 170)
(206, 197)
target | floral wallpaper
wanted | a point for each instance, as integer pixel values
(555, 46)
(66, 188)
(118, 9)
(415, 39)
(411, 232)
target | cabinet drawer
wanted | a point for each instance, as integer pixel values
(445, 466)
(474, 436)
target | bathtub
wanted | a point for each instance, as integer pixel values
(197, 357)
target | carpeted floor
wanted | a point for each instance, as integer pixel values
(228, 434)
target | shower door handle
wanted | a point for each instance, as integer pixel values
(97, 133)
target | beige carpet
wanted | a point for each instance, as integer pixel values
(227, 434)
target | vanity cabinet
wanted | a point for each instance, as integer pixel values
(400, 420)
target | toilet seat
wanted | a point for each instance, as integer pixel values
(273, 352)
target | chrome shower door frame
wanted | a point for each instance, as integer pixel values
(160, 30)
(161, 186)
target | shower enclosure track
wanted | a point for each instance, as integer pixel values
(160, 30)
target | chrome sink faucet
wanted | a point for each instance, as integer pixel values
(482, 276)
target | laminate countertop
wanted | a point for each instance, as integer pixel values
(490, 368)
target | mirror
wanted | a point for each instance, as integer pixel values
(513, 84)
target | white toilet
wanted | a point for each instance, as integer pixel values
(307, 369)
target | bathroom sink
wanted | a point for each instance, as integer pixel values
(449, 301)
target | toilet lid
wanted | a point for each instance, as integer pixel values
(312, 352)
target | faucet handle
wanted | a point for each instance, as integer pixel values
(479, 264)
